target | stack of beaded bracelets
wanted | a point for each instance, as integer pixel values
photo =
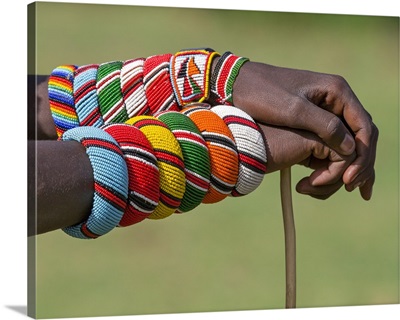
(177, 155)
(113, 92)
(153, 166)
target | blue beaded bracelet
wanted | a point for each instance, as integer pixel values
(85, 96)
(110, 182)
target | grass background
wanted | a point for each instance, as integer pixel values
(230, 255)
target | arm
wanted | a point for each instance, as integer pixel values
(290, 98)
(64, 179)
(62, 187)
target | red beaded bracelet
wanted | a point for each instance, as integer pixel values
(157, 84)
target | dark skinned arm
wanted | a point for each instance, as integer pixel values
(323, 104)
(61, 187)
(64, 176)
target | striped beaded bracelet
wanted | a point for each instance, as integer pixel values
(195, 157)
(250, 144)
(132, 87)
(157, 84)
(61, 98)
(224, 75)
(222, 151)
(112, 105)
(110, 182)
(85, 96)
(143, 193)
(169, 161)
(190, 72)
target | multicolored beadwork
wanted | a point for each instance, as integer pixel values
(169, 161)
(195, 157)
(190, 75)
(110, 182)
(150, 159)
(224, 75)
(157, 85)
(61, 98)
(250, 144)
(222, 150)
(85, 96)
(112, 105)
(132, 87)
(143, 194)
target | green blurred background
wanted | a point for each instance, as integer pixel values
(230, 255)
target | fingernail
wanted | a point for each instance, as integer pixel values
(347, 144)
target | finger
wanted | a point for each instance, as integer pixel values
(335, 95)
(328, 165)
(304, 186)
(330, 170)
(361, 173)
(362, 168)
(342, 101)
(277, 106)
(329, 174)
(365, 187)
(303, 114)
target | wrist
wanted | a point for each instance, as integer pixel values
(223, 78)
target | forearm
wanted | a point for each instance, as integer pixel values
(63, 185)
(61, 182)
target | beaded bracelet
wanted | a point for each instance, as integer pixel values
(85, 96)
(190, 74)
(250, 144)
(222, 151)
(173, 162)
(195, 157)
(109, 93)
(132, 87)
(110, 182)
(159, 93)
(61, 98)
(224, 75)
(169, 161)
(143, 193)
(152, 160)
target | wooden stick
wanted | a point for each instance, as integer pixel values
(290, 237)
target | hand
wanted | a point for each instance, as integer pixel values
(320, 103)
(287, 147)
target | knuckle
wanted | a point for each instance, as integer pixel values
(337, 83)
(372, 131)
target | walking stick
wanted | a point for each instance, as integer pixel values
(290, 237)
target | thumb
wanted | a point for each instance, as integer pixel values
(305, 115)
